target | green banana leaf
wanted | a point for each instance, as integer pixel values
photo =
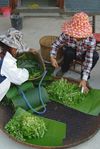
(56, 132)
(91, 104)
(31, 93)
(13, 91)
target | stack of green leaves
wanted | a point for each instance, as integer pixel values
(31, 93)
(64, 92)
(25, 126)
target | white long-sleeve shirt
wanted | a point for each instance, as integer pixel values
(12, 73)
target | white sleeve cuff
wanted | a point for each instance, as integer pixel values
(85, 77)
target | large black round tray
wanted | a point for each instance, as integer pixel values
(81, 127)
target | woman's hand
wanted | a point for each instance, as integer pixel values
(83, 84)
(54, 62)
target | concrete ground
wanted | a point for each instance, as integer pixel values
(33, 29)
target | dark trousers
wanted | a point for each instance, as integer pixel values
(70, 54)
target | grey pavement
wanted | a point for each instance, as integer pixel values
(33, 29)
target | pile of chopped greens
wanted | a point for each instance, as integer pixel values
(64, 92)
(26, 126)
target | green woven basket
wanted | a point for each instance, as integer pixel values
(31, 61)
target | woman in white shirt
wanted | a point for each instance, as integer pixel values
(10, 44)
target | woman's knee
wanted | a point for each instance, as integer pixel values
(70, 52)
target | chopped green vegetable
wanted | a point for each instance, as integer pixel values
(33, 127)
(65, 92)
(25, 126)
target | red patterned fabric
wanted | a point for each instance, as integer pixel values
(78, 27)
(97, 37)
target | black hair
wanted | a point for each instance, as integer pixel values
(4, 48)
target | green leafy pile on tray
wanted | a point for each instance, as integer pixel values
(26, 126)
(64, 92)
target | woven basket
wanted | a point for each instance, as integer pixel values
(33, 56)
(45, 47)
